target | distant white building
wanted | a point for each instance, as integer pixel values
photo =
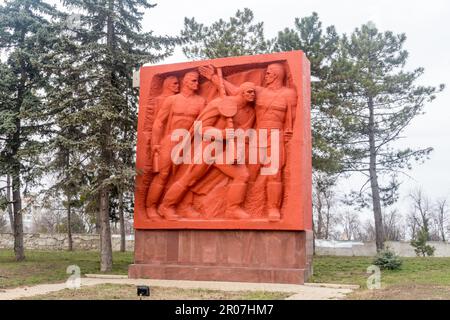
(31, 213)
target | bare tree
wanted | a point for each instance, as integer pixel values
(440, 218)
(6, 200)
(48, 221)
(365, 232)
(351, 225)
(421, 215)
(394, 227)
(412, 225)
(323, 205)
(3, 223)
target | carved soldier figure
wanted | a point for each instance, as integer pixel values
(275, 106)
(214, 116)
(177, 112)
(169, 88)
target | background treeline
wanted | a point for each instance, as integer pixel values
(68, 110)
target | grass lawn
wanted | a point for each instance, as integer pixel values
(419, 278)
(128, 292)
(50, 266)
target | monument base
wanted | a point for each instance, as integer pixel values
(223, 255)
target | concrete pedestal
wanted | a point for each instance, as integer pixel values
(222, 255)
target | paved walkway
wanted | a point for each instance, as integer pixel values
(301, 292)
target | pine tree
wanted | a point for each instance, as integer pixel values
(26, 36)
(110, 43)
(321, 46)
(382, 99)
(66, 96)
(237, 37)
(421, 248)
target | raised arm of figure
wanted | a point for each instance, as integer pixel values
(209, 73)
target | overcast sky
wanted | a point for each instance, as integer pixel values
(426, 24)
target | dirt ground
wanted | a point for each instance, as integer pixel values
(128, 292)
(404, 292)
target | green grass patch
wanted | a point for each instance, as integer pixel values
(50, 266)
(418, 271)
(418, 277)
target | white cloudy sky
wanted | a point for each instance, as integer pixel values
(426, 24)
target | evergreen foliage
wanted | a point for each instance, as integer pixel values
(237, 37)
(421, 248)
(388, 260)
(27, 35)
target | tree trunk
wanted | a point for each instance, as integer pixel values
(376, 200)
(327, 224)
(441, 220)
(97, 215)
(9, 201)
(314, 240)
(19, 250)
(122, 222)
(105, 234)
(442, 227)
(69, 224)
(319, 215)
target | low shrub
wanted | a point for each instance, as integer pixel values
(421, 248)
(388, 260)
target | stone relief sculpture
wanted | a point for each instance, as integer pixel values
(275, 109)
(177, 111)
(215, 116)
(224, 172)
(251, 184)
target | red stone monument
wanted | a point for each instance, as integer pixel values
(223, 187)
